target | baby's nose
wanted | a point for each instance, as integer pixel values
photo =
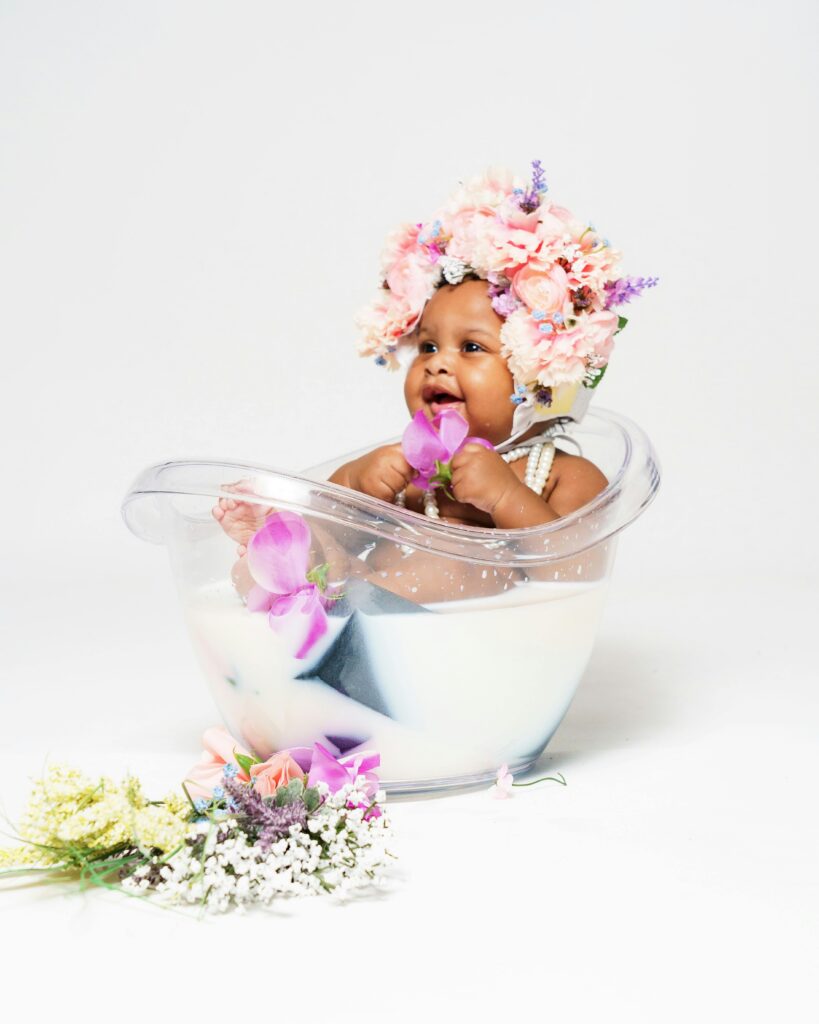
(438, 363)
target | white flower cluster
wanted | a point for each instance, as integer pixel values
(220, 867)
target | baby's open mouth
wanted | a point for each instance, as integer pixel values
(438, 398)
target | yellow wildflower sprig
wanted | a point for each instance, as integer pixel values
(72, 822)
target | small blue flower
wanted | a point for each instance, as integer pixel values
(557, 317)
(538, 314)
(218, 792)
(230, 771)
(201, 804)
(547, 328)
(380, 361)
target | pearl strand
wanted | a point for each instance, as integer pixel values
(539, 458)
(531, 465)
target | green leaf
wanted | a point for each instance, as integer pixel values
(245, 762)
(621, 323)
(288, 794)
(319, 576)
(595, 378)
(312, 799)
(443, 473)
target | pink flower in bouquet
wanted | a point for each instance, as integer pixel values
(383, 324)
(512, 247)
(338, 772)
(276, 771)
(430, 446)
(220, 750)
(600, 329)
(400, 242)
(545, 292)
(412, 278)
(563, 358)
(292, 596)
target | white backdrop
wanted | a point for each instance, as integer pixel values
(194, 197)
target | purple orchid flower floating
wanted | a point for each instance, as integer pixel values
(294, 598)
(429, 447)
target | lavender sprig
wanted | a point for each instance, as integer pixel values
(627, 288)
(530, 201)
(266, 819)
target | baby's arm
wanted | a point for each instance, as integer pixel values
(382, 473)
(480, 477)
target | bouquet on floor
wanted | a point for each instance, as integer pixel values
(243, 830)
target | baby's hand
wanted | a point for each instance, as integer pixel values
(382, 473)
(481, 478)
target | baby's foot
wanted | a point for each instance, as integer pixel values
(240, 519)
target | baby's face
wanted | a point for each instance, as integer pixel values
(459, 365)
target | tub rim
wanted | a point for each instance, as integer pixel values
(630, 491)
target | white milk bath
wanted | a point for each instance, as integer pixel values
(482, 682)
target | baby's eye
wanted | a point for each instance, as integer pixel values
(427, 346)
(472, 346)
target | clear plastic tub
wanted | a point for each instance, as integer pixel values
(449, 649)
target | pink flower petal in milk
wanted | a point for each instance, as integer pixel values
(300, 618)
(277, 554)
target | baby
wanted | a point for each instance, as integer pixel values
(459, 365)
(502, 308)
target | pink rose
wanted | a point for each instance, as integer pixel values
(220, 749)
(276, 771)
(543, 291)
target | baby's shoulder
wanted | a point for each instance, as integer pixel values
(572, 482)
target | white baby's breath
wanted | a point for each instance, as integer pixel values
(341, 850)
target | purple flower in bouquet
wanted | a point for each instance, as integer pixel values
(627, 288)
(293, 597)
(269, 821)
(429, 447)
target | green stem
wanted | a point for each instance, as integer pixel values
(546, 778)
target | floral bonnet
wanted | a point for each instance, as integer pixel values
(554, 280)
